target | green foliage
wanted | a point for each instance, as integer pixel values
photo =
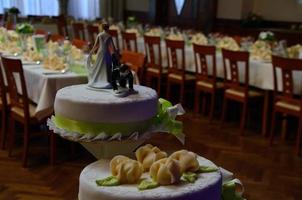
(24, 28)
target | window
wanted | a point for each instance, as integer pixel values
(84, 9)
(179, 5)
(32, 7)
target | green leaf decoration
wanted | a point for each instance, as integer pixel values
(147, 184)
(109, 181)
(206, 169)
(189, 177)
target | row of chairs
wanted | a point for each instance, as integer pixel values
(233, 87)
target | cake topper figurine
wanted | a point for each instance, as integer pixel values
(99, 73)
(122, 74)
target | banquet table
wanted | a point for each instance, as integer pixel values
(42, 84)
(42, 87)
(260, 72)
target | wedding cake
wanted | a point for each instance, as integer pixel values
(94, 114)
(162, 172)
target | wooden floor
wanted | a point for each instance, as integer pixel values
(270, 173)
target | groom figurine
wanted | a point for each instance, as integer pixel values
(122, 74)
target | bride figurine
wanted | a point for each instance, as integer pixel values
(99, 73)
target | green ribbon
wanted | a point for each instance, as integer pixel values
(163, 121)
(229, 191)
(92, 128)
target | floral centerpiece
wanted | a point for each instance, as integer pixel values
(24, 30)
(131, 21)
(14, 10)
(267, 36)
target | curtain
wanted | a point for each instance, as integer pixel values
(41, 7)
(5, 4)
(32, 7)
(113, 8)
(84, 9)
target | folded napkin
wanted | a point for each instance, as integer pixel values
(53, 62)
(294, 51)
(178, 37)
(227, 43)
(200, 39)
(261, 50)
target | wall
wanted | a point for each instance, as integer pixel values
(229, 9)
(274, 10)
(137, 5)
(279, 10)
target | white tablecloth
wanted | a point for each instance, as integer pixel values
(42, 88)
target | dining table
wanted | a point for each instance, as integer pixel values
(42, 84)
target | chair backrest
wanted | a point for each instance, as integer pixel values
(135, 60)
(176, 56)
(114, 35)
(62, 26)
(14, 74)
(80, 44)
(231, 61)
(93, 31)
(128, 39)
(78, 30)
(286, 68)
(2, 86)
(153, 52)
(41, 32)
(203, 56)
(56, 38)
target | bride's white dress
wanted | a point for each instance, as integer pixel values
(97, 72)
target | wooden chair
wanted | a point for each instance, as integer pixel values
(114, 35)
(80, 44)
(177, 70)
(129, 41)
(4, 107)
(56, 38)
(21, 109)
(62, 26)
(236, 90)
(135, 60)
(93, 31)
(154, 68)
(285, 101)
(78, 30)
(40, 32)
(206, 80)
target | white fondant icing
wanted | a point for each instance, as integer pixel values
(79, 103)
(207, 186)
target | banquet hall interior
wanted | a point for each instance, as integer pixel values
(231, 68)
